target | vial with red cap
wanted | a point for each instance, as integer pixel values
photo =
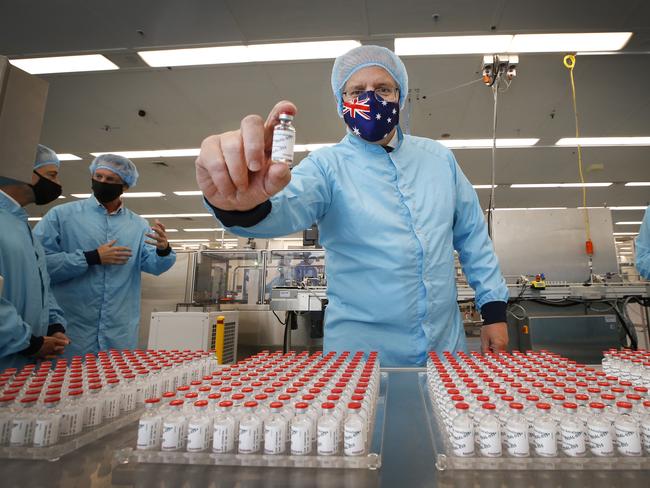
(628, 438)
(150, 426)
(225, 428)
(275, 430)
(174, 427)
(250, 430)
(572, 431)
(355, 433)
(199, 428)
(489, 432)
(544, 437)
(516, 432)
(302, 431)
(461, 431)
(328, 427)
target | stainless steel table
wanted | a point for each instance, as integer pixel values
(407, 462)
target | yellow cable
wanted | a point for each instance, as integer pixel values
(569, 63)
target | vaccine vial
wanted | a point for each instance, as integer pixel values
(354, 431)
(199, 428)
(22, 427)
(545, 432)
(516, 432)
(284, 138)
(48, 420)
(628, 440)
(225, 426)
(150, 426)
(301, 431)
(489, 432)
(174, 427)
(250, 430)
(73, 414)
(572, 432)
(328, 431)
(7, 412)
(461, 432)
(275, 430)
(599, 432)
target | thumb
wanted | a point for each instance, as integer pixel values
(283, 107)
(111, 243)
(485, 341)
(276, 178)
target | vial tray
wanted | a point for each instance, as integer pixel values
(445, 459)
(70, 444)
(370, 461)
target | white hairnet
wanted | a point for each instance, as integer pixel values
(361, 57)
(119, 165)
(45, 156)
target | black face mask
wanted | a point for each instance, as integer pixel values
(45, 190)
(106, 192)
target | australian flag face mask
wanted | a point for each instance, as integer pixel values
(370, 117)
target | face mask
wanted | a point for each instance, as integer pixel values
(370, 117)
(106, 192)
(45, 190)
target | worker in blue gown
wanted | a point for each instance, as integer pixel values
(391, 209)
(642, 246)
(96, 250)
(32, 325)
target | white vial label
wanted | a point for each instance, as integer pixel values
(545, 441)
(249, 438)
(283, 141)
(46, 431)
(645, 434)
(223, 437)
(112, 407)
(517, 440)
(573, 441)
(94, 413)
(22, 432)
(600, 440)
(628, 441)
(5, 430)
(149, 433)
(354, 443)
(275, 439)
(128, 401)
(462, 441)
(328, 440)
(198, 437)
(300, 440)
(173, 437)
(489, 441)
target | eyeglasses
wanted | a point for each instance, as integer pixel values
(389, 94)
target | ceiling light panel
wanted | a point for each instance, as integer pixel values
(64, 64)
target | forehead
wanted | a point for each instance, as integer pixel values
(107, 173)
(48, 168)
(374, 75)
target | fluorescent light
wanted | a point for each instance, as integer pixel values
(629, 207)
(171, 230)
(553, 43)
(188, 240)
(64, 64)
(286, 51)
(179, 216)
(34, 219)
(61, 197)
(483, 187)
(156, 153)
(142, 194)
(604, 141)
(629, 223)
(419, 46)
(626, 233)
(311, 147)
(67, 157)
(207, 229)
(80, 195)
(487, 143)
(560, 185)
(638, 183)
(189, 193)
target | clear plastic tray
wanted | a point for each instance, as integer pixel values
(369, 461)
(53, 453)
(446, 460)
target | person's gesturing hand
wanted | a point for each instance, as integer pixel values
(234, 169)
(109, 253)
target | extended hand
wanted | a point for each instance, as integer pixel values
(111, 254)
(494, 337)
(159, 237)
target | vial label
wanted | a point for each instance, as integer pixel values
(93, 415)
(46, 431)
(489, 442)
(545, 441)
(600, 440)
(628, 441)
(149, 433)
(22, 432)
(354, 443)
(283, 141)
(223, 437)
(173, 436)
(128, 401)
(275, 439)
(198, 437)
(300, 440)
(328, 440)
(112, 407)
(517, 441)
(249, 438)
(462, 441)
(573, 441)
(645, 434)
(5, 430)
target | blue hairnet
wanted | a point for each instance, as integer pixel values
(45, 156)
(361, 57)
(119, 165)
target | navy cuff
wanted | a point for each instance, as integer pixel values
(92, 257)
(164, 252)
(247, 218)
(54, 328)
(493, 312)
(35, 344)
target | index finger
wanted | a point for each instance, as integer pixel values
(252, 135)
(121, 248)
(159, 224)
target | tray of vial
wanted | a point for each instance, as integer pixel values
(534, 411)
(50, 410)
(271, 410)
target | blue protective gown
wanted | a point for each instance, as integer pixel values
(102, 303)
(389, 223)
(27, 306)
(643, 247)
